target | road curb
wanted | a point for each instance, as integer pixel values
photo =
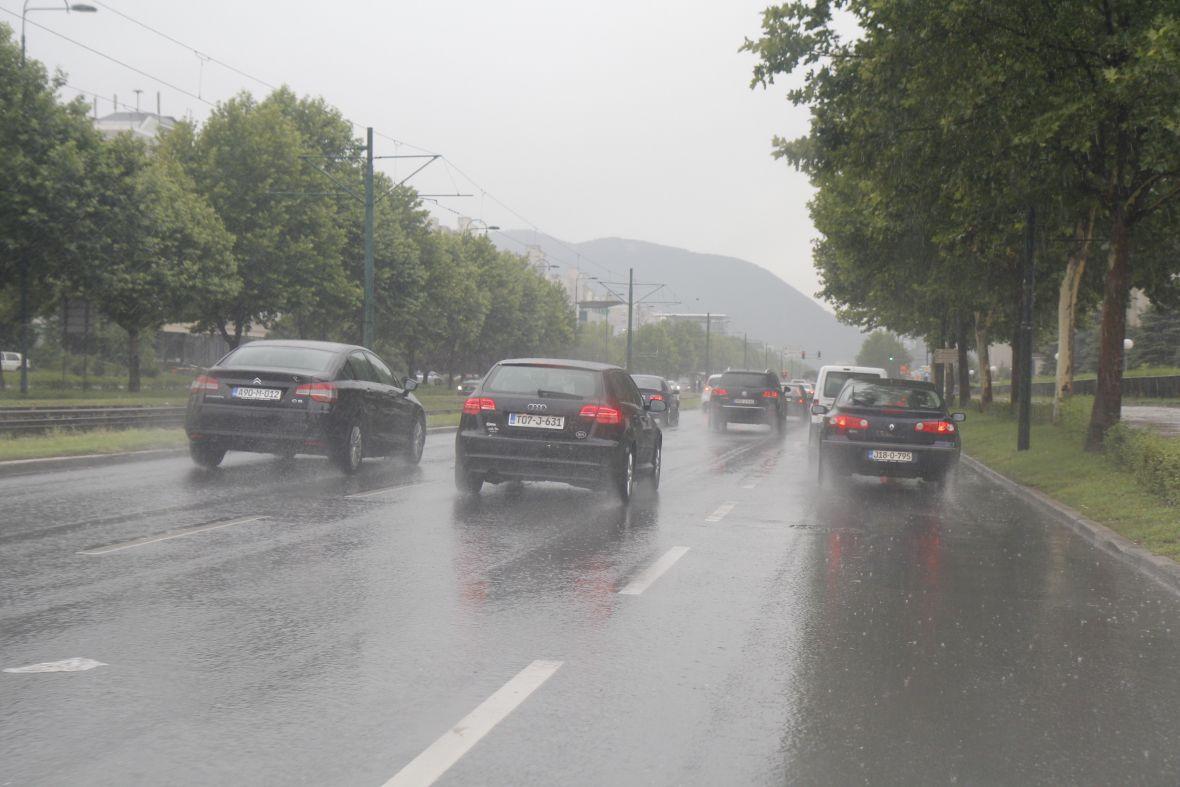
(1165, 571)
(12, 467)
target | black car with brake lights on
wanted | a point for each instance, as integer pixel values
(540, 419)
(746, 397)
(888, 427)
(293, 397)
(657, 389)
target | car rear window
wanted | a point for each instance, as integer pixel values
(746, 379)
(835, 381)
(868, 394)
(250, 356)
(543, 380)
(648, 381)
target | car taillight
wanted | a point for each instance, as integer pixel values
(934, 427)
(476, 404)
(845, 422)
(657, 398)
(601, 414)
(770, 394)
(204, 383)
(317, 392)
(720, 391)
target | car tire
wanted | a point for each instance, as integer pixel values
(467, 482)
(417, 441)
(674, 417)
(350, 450)
(625, 476)
(657, 464)
(206, 455)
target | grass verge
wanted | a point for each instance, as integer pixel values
(1096, 485)
(98, 441)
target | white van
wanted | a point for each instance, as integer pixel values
(827, 387)
(9, 361)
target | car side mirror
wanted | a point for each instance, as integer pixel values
(958, 417)
(819, 409)
(657, 405)
(410, 384)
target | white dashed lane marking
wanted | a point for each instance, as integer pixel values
(720, 513)
(181, 533)
(427, 767)
(653, 572)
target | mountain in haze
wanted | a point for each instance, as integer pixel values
(755, 300)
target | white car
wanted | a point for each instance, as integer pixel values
(827, 387)
(707, 390)
(9, 361)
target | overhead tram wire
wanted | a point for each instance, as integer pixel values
(265, 83)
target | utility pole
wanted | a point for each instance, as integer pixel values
(1024, 427)
(630, 310)
(708, 327)
(367, 331)
(745, 351)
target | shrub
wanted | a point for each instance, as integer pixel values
(1152, 459)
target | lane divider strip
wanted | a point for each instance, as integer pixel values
(438, 757)
(187, 531)
(653, 572)
(720, 513)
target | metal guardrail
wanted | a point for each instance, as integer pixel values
(1167, 386)
(30, 420)
(41, 419)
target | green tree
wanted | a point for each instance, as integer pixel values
(884, 350)
(1157, 339)
(158, 249)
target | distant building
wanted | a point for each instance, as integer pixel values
(718, 323)
(142, 125)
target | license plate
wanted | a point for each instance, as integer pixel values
(530, 421)
(744, 401)
(891, 456)
(260, 394)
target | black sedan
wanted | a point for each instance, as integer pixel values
(291, 397)
(657, 389)
(886, 427)
(539, 419)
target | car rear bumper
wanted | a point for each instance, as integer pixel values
(746, 414)
(500, 458)
(256, 429)
(847, 456)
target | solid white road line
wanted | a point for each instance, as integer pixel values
(76, 664)
(432, 763)
(653, 572)
(188, 531)
(720, 513)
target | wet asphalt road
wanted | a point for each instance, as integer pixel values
(875, 633)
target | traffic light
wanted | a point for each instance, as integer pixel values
(819, 354)
(803, 355)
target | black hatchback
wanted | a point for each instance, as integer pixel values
(885, 427)
(291, 397)
(746, 397)
(539, 419)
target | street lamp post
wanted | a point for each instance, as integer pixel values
(81, 8)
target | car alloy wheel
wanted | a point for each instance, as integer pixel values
(417, 441)
(351, 450)
(626, 480)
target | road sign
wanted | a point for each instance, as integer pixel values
(946, 355)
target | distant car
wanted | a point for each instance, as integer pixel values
(747, 397)
(673, 386)
(541, 419)
(707, 390)
(654, 388)
(796, 397)
(9, 361)
(468, 385)
(827, 386)
(288, 397)
(888, 427)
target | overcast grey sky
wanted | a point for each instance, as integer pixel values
(627, 118)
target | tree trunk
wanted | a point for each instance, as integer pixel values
(1067, 314)
(964, 365)
(1108, 399)
(133, 360)
(1017, 373)
(985, 361)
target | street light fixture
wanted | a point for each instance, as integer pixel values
(81, 8)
